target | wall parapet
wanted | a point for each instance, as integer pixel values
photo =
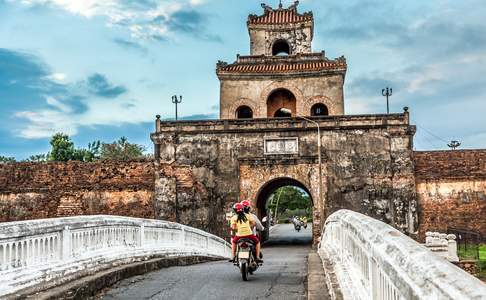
(372, 260)
(273, 124)
(54, 251)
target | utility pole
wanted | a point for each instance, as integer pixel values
(388, 92)
(276, 207)
(176, 101)
(454, 145)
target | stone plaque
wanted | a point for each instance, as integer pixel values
(281, 146)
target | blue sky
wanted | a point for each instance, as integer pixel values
(104, 69)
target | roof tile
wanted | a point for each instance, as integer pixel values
(283, 67)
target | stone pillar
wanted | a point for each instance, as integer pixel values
(66, 244)
(452, 248)
(165, 194)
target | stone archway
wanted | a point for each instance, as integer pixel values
(267, 189)
(258, 179)
(333, 107)
(281, 99)
(231, 114)
(279, 85)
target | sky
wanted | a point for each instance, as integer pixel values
(99, 70)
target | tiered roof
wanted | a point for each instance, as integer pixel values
(282, 65)
(280, 16)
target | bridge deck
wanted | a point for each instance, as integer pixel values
(282, 276)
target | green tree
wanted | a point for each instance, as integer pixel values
(121, 150)
(62, 148)
(5, 159)
(37, 158)
(90, 154)
(289, 198)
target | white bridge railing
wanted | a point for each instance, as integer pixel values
(371, 260)
(49, 250)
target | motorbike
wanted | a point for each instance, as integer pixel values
(297, 226)
(245, 258)
(297, 223)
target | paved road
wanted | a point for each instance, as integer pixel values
(281, 277)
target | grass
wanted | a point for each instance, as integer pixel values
(471, 253)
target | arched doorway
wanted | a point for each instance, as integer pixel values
(319, 109)
(280, 48)
(281, 198)
(244, 112)
(279, 99)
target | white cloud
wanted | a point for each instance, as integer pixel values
(58, 104)
(431, 73)
(145, 20)
(45, 123)
(57, 77)
(197, 2)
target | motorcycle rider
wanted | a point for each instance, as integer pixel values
(241, 226)
(258, 225)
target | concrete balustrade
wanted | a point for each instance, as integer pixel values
(442, 244)
(368, 259)
(53, 251)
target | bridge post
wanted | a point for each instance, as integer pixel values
(207, 242)
(141, 236)
(373, 280)
(183, 237)
(66, 244)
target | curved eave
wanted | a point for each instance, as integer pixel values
(304, 73)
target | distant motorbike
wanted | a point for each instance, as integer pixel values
(297, 223)
(245, 258)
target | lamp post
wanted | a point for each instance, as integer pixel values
(285, 110)
(388, 92)
(176, 101)
(454, 145)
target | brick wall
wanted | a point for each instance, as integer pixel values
(451, 190)
(46, 190)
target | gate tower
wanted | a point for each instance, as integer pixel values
(281, 71)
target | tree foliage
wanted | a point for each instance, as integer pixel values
(121, 150)
(62, 148)
(289, 198)
(5, 159)
(37, 158)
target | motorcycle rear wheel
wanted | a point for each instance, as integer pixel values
(244, 271)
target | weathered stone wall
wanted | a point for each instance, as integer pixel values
(451, 190)
(46, 190)
(298, 37)
(308, 90)
(204, 167)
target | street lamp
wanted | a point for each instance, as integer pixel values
(387, 93)
(286, 110)
(176, 101)
(454, 145)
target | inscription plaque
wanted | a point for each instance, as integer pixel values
(275, 146)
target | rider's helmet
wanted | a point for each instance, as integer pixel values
(246, 205)
(238, 207)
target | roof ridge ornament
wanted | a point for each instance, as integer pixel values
(294, 6)
(268, 8)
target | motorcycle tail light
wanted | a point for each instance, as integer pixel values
(244, 245)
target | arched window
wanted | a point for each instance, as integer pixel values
(281, 47)
(244, 112)
(319, 109)
(280, 102)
